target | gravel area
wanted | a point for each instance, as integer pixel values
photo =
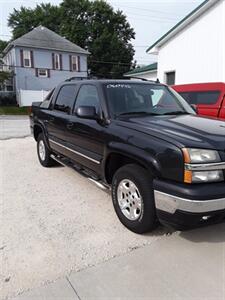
(53, 221)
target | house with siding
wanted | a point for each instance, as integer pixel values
(41, 59)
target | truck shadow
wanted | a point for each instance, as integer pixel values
(210, 234)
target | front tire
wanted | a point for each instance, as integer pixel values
(44, 155)
(133, 198)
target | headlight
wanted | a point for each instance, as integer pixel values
(198, 158)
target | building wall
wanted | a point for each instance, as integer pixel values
(197, 53)
(26, 78)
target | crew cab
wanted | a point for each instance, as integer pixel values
(209, 98)
(141, 139)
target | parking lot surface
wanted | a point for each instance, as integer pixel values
(53, 221)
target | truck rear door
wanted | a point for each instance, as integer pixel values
(58, 118)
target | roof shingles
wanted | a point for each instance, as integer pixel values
(148, 68)
(44, 38)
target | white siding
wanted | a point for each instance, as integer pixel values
(197, 53)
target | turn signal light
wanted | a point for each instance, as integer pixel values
(187, 176)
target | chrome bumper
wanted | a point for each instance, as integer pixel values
(171, 204)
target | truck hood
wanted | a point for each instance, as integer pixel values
(183, 130)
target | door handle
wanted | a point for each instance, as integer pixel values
(69, 125)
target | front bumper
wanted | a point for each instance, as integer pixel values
(185, 206)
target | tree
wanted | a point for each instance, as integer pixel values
(106, 34)
(4, 76)
(92, 25)
(25, 19)
(3, 44)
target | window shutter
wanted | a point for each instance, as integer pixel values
(70, 61)
(48, 70)
(21, 57)
(53, 61)
(78, 63)
(60, 61)
(36, 72)
(32, 58)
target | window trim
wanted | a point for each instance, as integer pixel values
(43, 76)
(29, 59)
(59, 65)
(76, 57)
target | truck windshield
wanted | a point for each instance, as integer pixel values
(138, 98)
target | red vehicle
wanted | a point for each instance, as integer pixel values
(209, 98)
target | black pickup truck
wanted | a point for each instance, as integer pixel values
(162, 162)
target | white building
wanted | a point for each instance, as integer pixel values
(193, 51)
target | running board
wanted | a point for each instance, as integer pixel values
(82, 171)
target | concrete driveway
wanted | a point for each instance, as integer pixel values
(14, 127)
(54, 223)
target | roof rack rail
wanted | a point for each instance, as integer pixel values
(76, 78)
(83, 78)
(144, 79)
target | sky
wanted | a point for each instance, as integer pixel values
(150, 19)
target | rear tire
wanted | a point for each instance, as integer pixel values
(44, 155)
(133, 198)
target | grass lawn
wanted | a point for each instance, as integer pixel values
(13, 110)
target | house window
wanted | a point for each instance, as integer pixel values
(26, 58)
(42, 73)
(57, 61)
(170, 77)
(74, 61)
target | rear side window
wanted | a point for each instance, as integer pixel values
(65, 98)
(47, 100)
(208, 97)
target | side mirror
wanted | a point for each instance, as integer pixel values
(194, 107)
(87, 112)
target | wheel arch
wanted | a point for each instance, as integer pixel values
(117, 158)
(37, 130)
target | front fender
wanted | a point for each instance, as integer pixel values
(141, 156)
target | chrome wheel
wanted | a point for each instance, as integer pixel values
(41, 149)
(129, 199)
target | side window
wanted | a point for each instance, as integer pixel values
(46, 102)
(65, 98)
(88, 96)
(207, 98)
